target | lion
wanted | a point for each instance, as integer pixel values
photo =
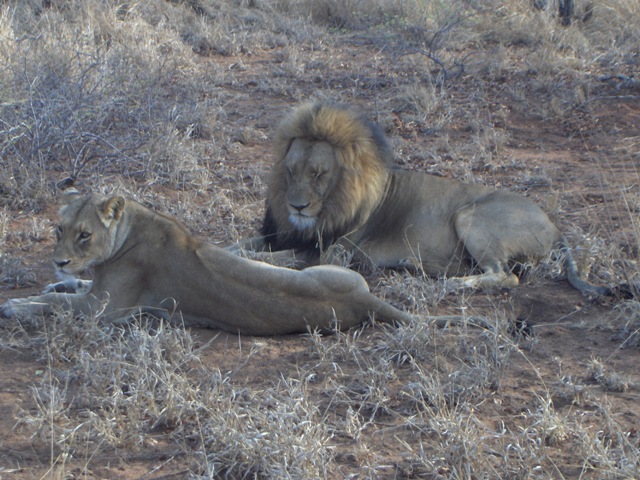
(145, 262)
(333, 193)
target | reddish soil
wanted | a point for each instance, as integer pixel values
(588, 159)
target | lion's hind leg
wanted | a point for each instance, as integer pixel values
(499, 229)
(489, 251)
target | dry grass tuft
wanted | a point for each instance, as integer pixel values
(608, 380)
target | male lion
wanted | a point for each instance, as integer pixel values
(144, 261)
(332, 190)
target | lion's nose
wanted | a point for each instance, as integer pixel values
(61, 263)
(299, 207)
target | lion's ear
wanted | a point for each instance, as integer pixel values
(112, 209)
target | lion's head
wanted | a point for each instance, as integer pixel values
(87, 232)
(330, 172)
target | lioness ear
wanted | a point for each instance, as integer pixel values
(112, 209)
(69, 196)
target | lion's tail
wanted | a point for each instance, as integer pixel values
(574, 277)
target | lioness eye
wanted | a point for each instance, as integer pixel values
(84, 235)
(58, 232)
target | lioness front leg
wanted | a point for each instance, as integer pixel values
(69, 285)
(45, 304)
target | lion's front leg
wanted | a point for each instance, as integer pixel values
(45, 304)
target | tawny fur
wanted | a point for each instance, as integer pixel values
(144, 261)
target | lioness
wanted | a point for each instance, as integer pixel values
(332, 190)
(144, 261)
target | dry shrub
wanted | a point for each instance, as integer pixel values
(456, 443)
(629, 319)
(562, 65)
(614, 30)
(352, 14)
(273, 434)
(87, 95)
(88, 88)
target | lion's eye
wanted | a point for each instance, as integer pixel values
(58, 232)
(84, 236)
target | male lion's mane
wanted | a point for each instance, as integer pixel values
(364, 157)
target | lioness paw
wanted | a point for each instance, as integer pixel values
(69, 285)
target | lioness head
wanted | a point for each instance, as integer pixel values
(86, 232)
(330, 171)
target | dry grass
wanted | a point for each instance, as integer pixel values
(128, 385)
(173, 103)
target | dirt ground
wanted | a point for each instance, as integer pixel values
(585, 161)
